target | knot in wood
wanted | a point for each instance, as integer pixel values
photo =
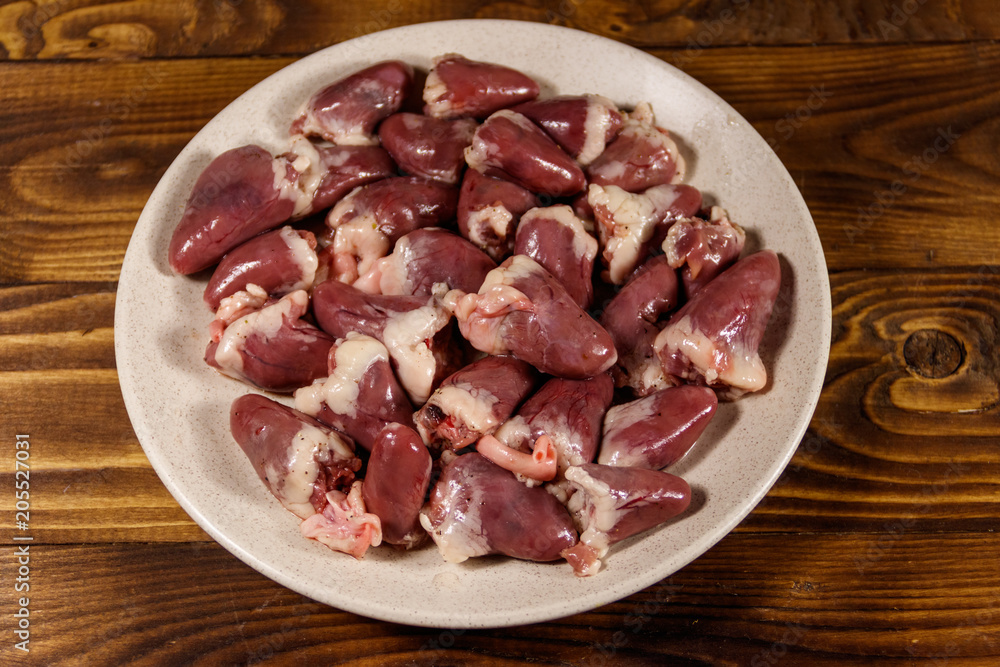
(932, 353)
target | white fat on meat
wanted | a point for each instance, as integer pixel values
(561, 489)
(405, 337)
(309, 175)
(479, 155)
(353, 356)
(675, 152)
(343, 209)
(395, 278)
(370, 282)
(517, 267)
(741, 369)
(470, 404)
(718, 217)
(303, 255)
(614, 171)
(434, 94)
(633, 222)
(357, 246)
(648, 377)
(593, 508)
(642, 114)
(389, 275)
(496, 301)
(489, 218)
(515, 433)
(637, 411)
(600, 110)
(645, 122)
(341, 131)
(584, 245)
(634, 218)
(459, 536)
(669, 246)
(264, 323)
(480, 315)
(236, 305)
(558, 429)
(309, 448)
(642, 120)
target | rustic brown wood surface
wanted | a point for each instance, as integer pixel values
(876, 546)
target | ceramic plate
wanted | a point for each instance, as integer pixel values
(179, 407)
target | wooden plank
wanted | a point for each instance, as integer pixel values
(909, 419)
(75, 196)
(76, 186)
(800, 599)
(57, 326)
(882, 142)
(92, 29)
(90, 480)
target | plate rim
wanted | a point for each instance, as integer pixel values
(613, 590)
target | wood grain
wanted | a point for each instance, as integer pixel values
(789, 599)
(77, 184)
(92, 29)
(90, 480)
(877, 546)
(880, 149)
(886, 441)
(125, 122)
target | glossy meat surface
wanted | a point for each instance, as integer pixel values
(657, 430)
(366, 223)
(429, 147)
(631, 226)
(234, 199)
(415, 330)
(360, 394)
(278, 262)
(424, 258)
(702, 249)
(474, 401)
(297, 458)
(347, 111)
(273, 348)
(610, 504)
(555, 238)
(509, 145)
(632, 318)
(713, 338)
(640, 157)
(522, 309)
(457, 87)
(569, 412)
(478, 508)
(546, 186)
(343, 168)
(397, 479)
(582, 125)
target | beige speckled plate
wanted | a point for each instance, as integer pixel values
(179, 407)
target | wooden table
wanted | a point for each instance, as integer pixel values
(876, 546)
